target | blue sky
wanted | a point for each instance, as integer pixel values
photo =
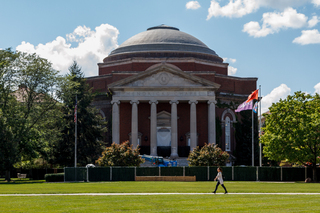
(277, 41)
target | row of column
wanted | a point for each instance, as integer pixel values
(174, 125)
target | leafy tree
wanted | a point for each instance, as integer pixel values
(292, 130)
(90, 125)
(8, 146)
(8, 111)
(28, 85)
(120, 155)
(208, 155)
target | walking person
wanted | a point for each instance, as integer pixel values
(219, 178)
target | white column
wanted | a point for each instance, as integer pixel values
(134, 123)
(115, 122)
(174, 130)
(153, 128)
(212, 122)
(193, 125)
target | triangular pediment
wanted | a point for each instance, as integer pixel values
(163, 76)
(163, 119)
(164, 115)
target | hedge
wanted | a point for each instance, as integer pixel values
(58, 177)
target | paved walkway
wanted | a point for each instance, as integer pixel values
(135, 194)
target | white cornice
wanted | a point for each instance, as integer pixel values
(235, 77)
(99, 76)
(164, 60)
(201, 72)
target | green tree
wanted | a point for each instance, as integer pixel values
(208, 155)
(120, 155)
(292, 130)
(28, 85)
(90, 125)
(8, 146)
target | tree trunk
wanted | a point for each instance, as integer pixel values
(314, 171)
(7, 176)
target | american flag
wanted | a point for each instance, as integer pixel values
(75, 111)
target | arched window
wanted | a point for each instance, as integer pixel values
(227, 134)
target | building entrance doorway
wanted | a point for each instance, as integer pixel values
(164, 141)
(163, 136)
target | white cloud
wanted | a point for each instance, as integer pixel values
(289, 18)
(308, 37)
(231, 60)
(239, 8)
(314, 21)
(193, 5)
(316, 2)
(79, 34)
(279, 92)
(92, 47)
(253, 29)
(317, 88)
(282, 4)
(274, 22)
(232, 70)
(235, 8)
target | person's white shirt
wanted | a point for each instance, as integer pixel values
(219, 177)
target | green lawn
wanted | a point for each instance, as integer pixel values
(158, 203)
(39, 187)
(163, 203)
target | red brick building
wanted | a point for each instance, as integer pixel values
(163, 87)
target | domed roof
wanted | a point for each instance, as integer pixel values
(164, 39)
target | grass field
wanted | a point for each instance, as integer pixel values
(159, 203)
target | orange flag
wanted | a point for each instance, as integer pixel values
(253, 95)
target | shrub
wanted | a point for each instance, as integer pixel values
(120, 155)
(59, 177)
(208, 155)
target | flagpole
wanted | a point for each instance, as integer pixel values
(252, 135)
(260, 124)
(245, 106)
(75, 134)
